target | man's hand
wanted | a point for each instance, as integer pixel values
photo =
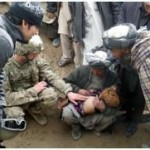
(84, 92)
(50, 15)
(99, 104)
(39, 87)
(73, 97)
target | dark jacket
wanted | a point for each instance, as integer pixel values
(6, 50)
(130, 91)
(131, 13)
(109, 11)
(80, 78)
(128, 77)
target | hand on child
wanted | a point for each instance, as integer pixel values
(73, 97)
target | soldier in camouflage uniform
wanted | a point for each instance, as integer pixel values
(30, 84)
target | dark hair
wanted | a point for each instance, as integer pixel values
(16, 20)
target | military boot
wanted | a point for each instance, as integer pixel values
(38, 115)
(131, 128)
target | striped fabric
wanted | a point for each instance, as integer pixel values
(2, 97)
(140, 58)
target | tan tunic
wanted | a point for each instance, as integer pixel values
(64, 19)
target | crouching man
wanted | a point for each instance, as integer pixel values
(31, 85)
(131, 49)
(90, 81)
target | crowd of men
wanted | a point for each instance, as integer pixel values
(110, 46)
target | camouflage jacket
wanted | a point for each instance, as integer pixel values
(20, 80)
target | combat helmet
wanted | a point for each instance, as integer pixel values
(10, 127)
(35, 45)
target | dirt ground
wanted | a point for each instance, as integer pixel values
(56, 134)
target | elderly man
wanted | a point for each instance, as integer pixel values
(132, 51)
(31, 84)
(87, 80)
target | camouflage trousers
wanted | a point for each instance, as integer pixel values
(44, 101)
(96, 121)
